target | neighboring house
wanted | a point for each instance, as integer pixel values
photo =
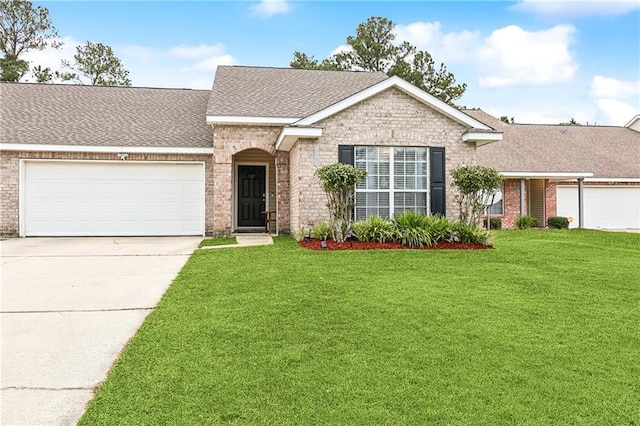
(546, 166)
(87, 160)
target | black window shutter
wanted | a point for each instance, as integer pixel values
(345, 154)
(437, 181)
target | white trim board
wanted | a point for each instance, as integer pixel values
(103, 149)
(546, 175)
(238, 119)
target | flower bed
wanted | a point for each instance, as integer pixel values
(315, 244)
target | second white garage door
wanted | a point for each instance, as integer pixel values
(69, 198)
(605, 206)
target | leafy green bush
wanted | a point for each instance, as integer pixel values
(321, 231)
(375, 228)
(526, 222)
(415, 237)
(495, 222)
(439, 227)
(558, 222)
(410, 220)
(338, 182)
(471, 234)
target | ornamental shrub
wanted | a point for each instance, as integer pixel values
(375, 228)
(471, 234)
(321, 231)
(474, 184)
(439, 227)
(339, 181)
(526, 222)
(558, 222)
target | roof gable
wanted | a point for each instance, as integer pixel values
(404, 86)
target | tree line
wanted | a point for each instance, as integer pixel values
(24, 27)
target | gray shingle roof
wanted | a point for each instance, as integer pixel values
(605, 151)
(282, 92)
(103, 116)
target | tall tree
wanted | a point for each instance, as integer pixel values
(374, 48)
(97, 63)
(23, 28)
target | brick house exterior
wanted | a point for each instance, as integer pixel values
(253, 143)
(304, 134)
(547, 166)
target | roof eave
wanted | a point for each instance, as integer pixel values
(481, 138)
(289, 135)
(250, 120)
(104, 149)
(546, 175)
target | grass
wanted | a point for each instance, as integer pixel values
(544, 329)
(218, 241)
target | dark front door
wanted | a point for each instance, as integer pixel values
(251, 195)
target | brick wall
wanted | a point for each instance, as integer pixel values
(9, 180)
(390, 118)
(229, 140)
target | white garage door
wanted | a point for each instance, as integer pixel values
(63, 198)
(605, 206)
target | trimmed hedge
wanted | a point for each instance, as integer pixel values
(558, 222)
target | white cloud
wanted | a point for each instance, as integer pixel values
(210, 64)
(607, 87)
(513, 56)
(200, 51)
(179, 66)
(51, 58)
(343, 48)
(443, 47)
(573, 9)
(268, 8)
(615, 112)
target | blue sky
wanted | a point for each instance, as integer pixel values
(538, 61)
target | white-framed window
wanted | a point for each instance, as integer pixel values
(497, 208)
(397, 180)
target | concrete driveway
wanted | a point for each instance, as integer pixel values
(69, 306)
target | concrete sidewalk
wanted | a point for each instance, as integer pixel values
(69, 306)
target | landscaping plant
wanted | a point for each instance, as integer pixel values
(526, 222)
(338, 182)
(558, 222)
(321, 231)
(474, 184)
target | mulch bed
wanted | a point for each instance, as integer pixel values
(314, 244)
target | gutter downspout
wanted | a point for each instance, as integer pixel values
(522, 212)
(580, 202)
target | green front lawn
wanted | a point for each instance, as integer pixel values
(544, 329)
(217, 241)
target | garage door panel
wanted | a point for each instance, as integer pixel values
(605, 206)
(101, 198)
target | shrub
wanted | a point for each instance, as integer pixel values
(439, 227)
(526, 222)
(558, 222)
(474, 184)
(415, 237)
(495, 222)
(375, 228)
(471, 234)
(321, 231)
(338, 182)
(410, 220)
